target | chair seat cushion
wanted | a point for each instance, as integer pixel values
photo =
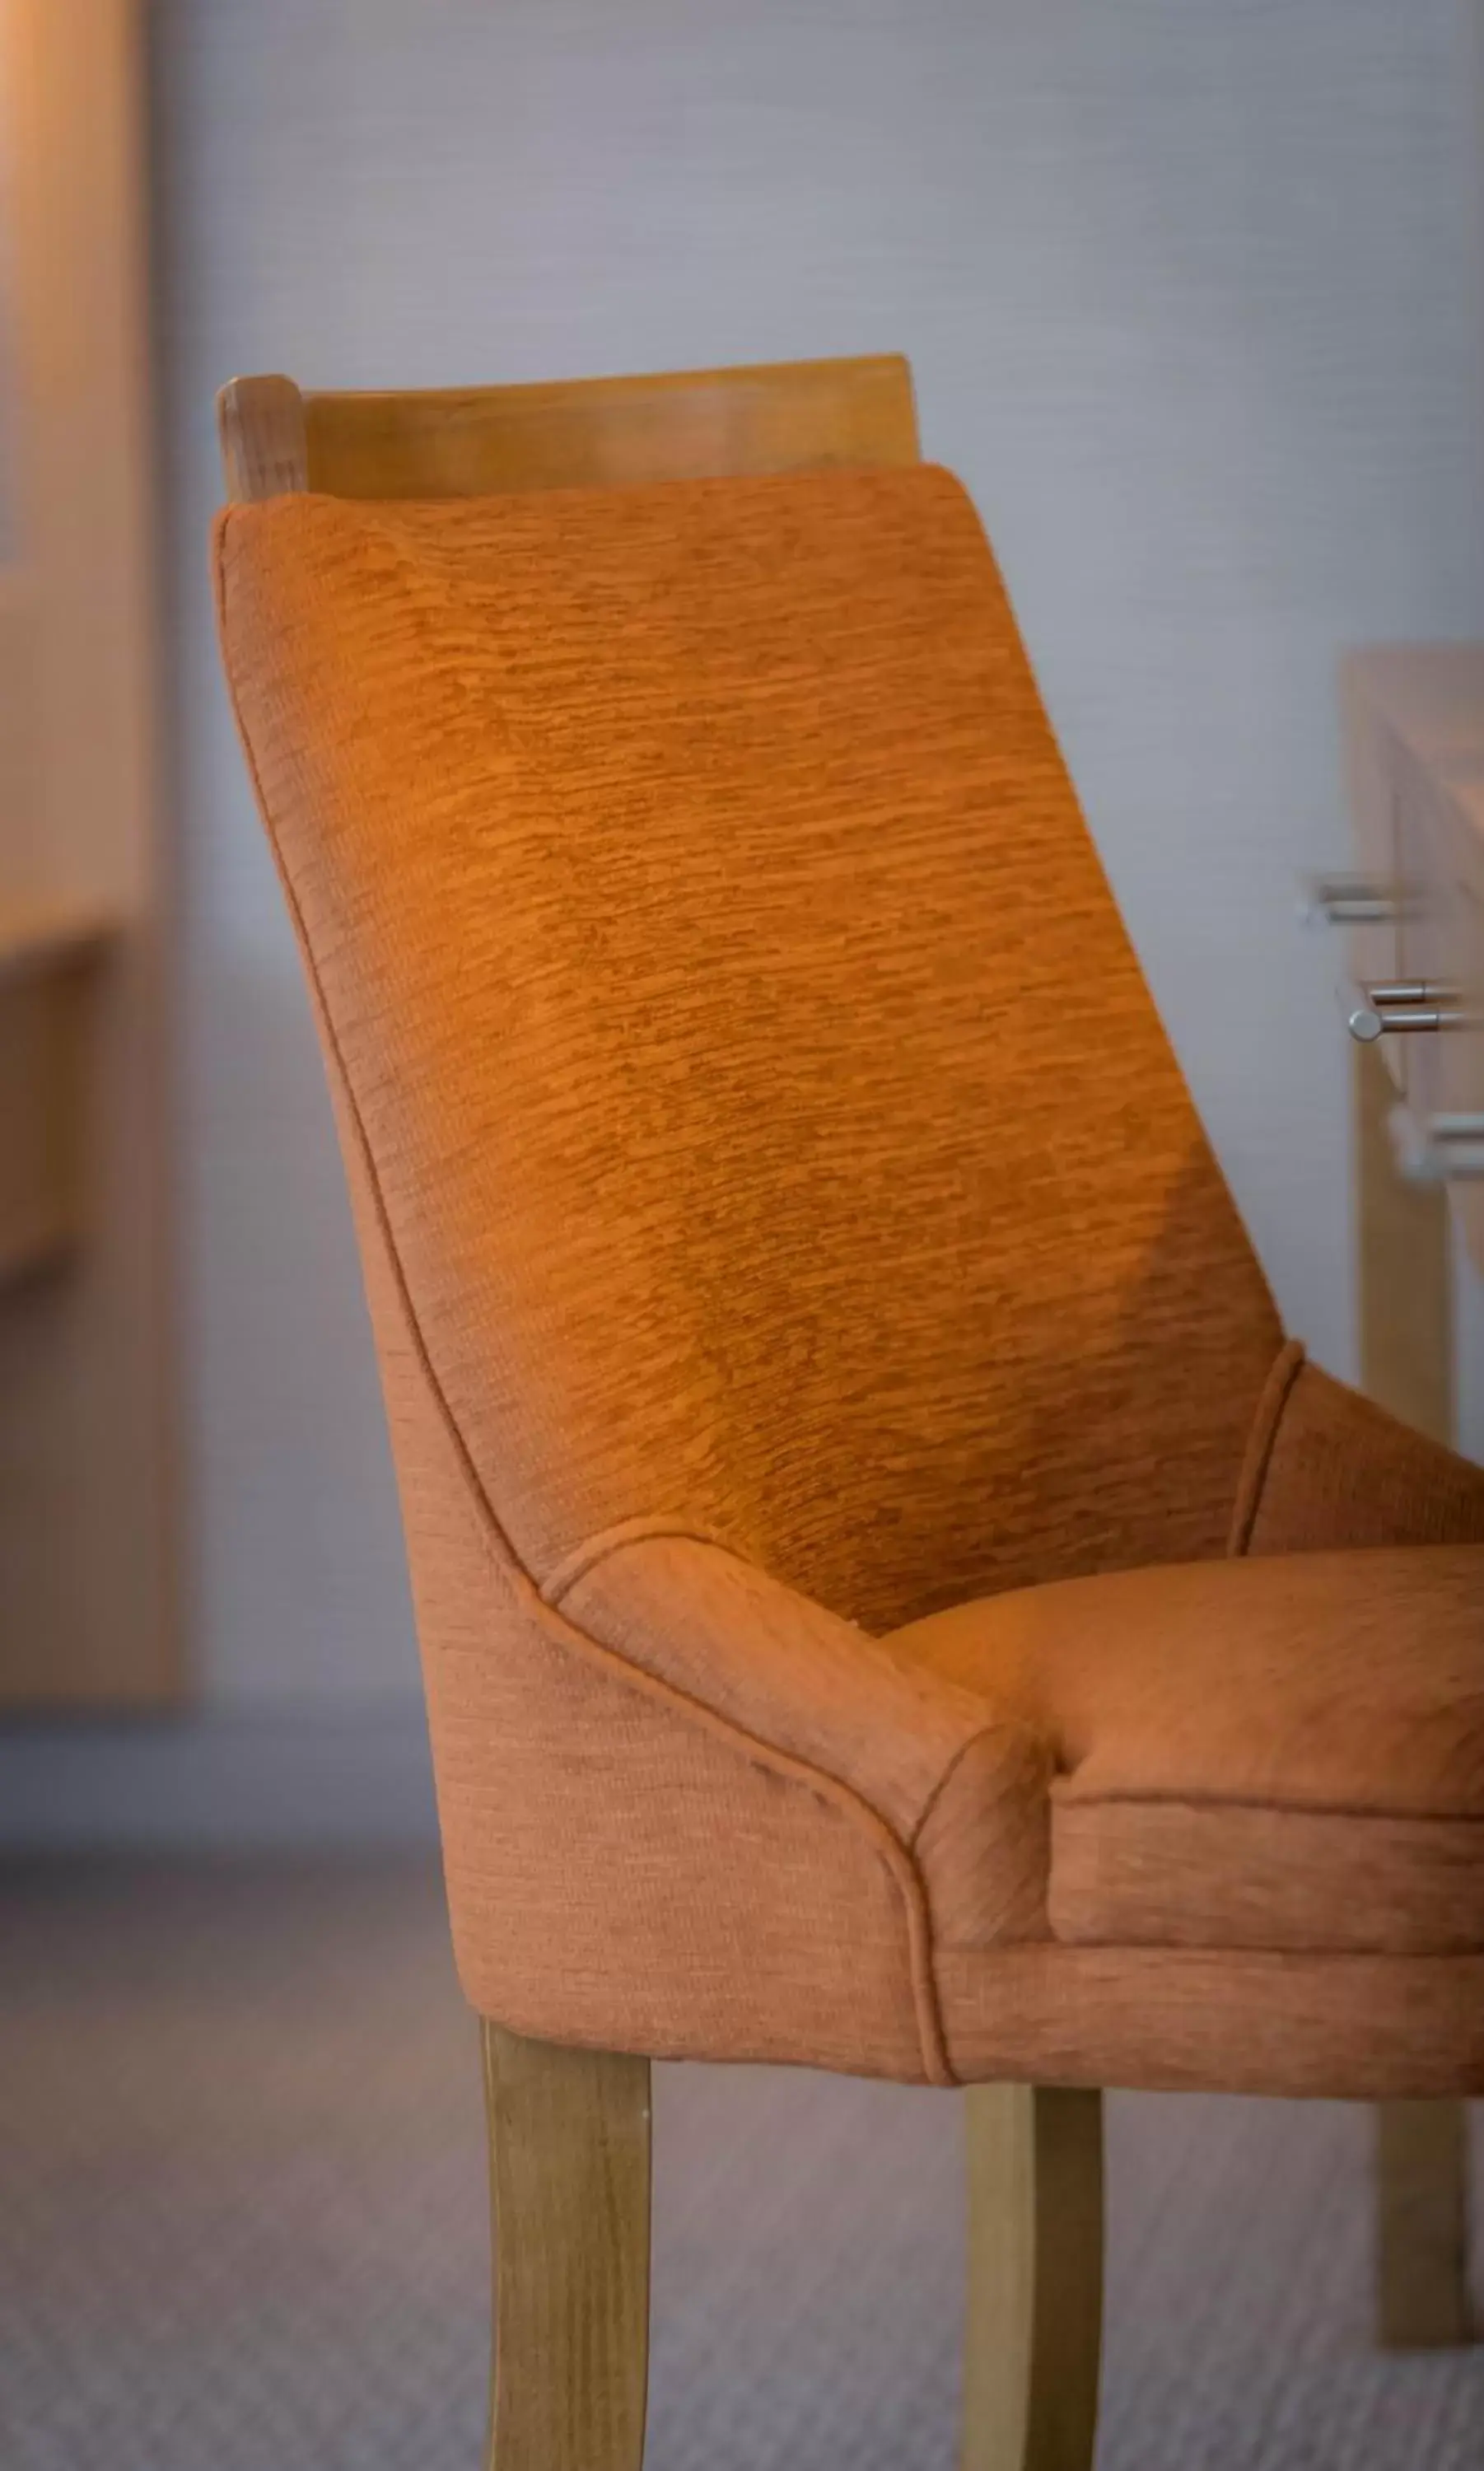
(1283, 1755)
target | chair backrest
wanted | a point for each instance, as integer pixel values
(591, 433)
(770, 1120)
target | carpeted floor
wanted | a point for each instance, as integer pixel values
(242, 2224)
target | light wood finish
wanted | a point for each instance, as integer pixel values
(1403, 1267)
(40, 938)
(1033, 2317)
(569, 2177)
(477, 440)
(1406, 1363)
(46, 981)
(260, 423)
(1414, 737)
(1414, 732)
(22, 864)
(86, 1568)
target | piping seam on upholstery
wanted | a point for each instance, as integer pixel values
(1224, 1951)
(1001, 1725)
(1132, 1799)
(900, 1863)
(1267, 1423)
(593, 1549)
(896, 1857)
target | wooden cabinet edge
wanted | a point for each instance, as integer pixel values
(48, 964)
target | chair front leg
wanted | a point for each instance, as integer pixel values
(1033, 2320)
(568, 2179)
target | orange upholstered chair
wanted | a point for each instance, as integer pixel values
(892, 1598)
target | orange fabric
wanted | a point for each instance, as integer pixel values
(777, 1195)
(961, 1784)
(786, 1125)
(1274, 1755)
(1201, 2020)
(626, 1866)
(1326, 1468)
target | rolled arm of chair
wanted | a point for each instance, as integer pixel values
(961, 1785)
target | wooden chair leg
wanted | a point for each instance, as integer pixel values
(1407, 1344)
(569, 2178)
(1033, 2326)
(1422, 2225)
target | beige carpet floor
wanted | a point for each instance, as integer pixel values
(242, 2224)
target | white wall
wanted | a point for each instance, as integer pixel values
(1192, 294)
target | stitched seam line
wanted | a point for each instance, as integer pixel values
(1216, 1803)
(1001, 1725)
(614, 1541)
(586, 1556)
(1066, 1952)
(898, 1857)
(1267, 1422)
(829, 1789)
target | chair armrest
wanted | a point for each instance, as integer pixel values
(928, 1757)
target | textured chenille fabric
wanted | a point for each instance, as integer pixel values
(772, 1120)
(1276, 1755)
(784, 1219)
(1325, 1467)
